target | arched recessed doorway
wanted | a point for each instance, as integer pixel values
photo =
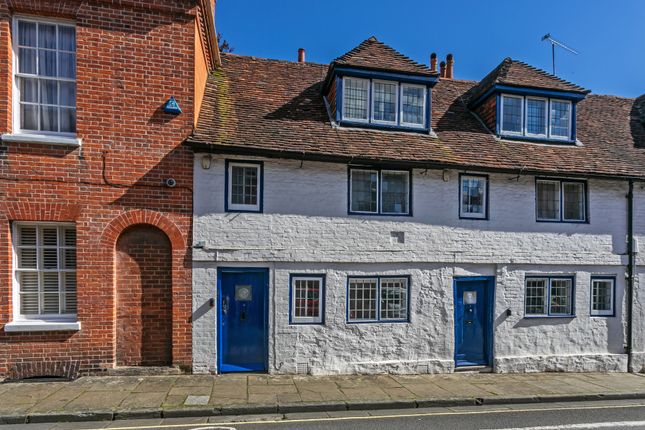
(143, 297)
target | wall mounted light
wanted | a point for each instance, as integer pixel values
(446, 175)
(206, 162)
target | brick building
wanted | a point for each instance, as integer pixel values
(95, 187)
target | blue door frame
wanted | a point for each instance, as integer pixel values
(474, 321)
(242, 325)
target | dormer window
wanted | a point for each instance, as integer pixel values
(356, 99)
(535, 117)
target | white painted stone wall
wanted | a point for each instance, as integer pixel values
(638, 356)
(305, 228)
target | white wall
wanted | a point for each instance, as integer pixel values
(305, 228)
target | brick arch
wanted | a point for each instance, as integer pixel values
(114, 229)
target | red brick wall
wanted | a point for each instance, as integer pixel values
(144, 297)
(132, 56)
(487, 111)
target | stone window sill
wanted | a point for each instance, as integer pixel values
(25, 326)
(41, 138)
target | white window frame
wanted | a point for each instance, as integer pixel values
(368, 101)
(396, 102)
(546, 117)
(501, 113)
(558, 137)
(377, 280)
(547, 300)
(463, 214)
(425, 98)
(15, 73)
(603, 313)
(243, 207)
(17, 315)
(321, 298)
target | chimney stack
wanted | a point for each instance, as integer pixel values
(442, 70)
(301, 55)
(433, 61)
(450, 66)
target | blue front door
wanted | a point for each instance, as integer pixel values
(243, 316)
(473, 320)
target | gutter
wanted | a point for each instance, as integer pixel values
(630, 273)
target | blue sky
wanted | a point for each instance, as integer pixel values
(610, 35)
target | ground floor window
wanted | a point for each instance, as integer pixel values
(372, 299)
(45, 270)
(549, 296)
(602, 296)
(307, 299)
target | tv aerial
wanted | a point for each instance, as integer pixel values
(555, 43)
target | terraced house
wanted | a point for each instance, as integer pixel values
(95, 185)
(378, 215)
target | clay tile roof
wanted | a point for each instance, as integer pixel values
(275, 108)
(519, 74)
(376, 55)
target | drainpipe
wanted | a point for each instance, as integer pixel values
(630, 272)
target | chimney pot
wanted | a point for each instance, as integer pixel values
(450, 66)
(301, 55)
(433, 61)
(442, 69)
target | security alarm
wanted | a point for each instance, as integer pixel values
(171, 183)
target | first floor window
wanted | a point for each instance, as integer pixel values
(378, 299)
(473, 196)
(385, 192)
(45, 76)
(602, 296)
(307, 299)
(548, 296)
(45, 270)
(355, 99)
(244, 186)
(561, 200)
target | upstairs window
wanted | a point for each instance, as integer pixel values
(381, 102)
(45, 271)
(374, 191)
(244, 186)
(535, 117)
(561, 201)
(474, 197)
(45, 76)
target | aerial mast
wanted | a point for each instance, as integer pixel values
(553, 45)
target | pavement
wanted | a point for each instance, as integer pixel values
(145, 397)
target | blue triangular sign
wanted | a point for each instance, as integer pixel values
(172, 106)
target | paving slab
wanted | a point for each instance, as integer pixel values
(97, 400)
(143, 400)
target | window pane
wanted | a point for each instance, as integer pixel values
(27, 60)
(535, 297)
(512, 117)
(66, 38)
(355, 93)
(244, 185)
(602, 291)
(385, 101)
(26, 33)
(67, 120)
(548, 200)
(49, 118)
(362, 299)
(560, 118)
(536, 116)
(47, 63)
(29, 117)
(47, 36)
(394, 299)
(574, 201)
(412, 101)
(67, 94)
(48, 92)
(561, 297)
(69, 237)
(29, 304)
(364, 190)
(307, 298)
(27, 236)
(66, 65)
(27, 258)
(29, 90)
(394, 192)
(473, 199)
